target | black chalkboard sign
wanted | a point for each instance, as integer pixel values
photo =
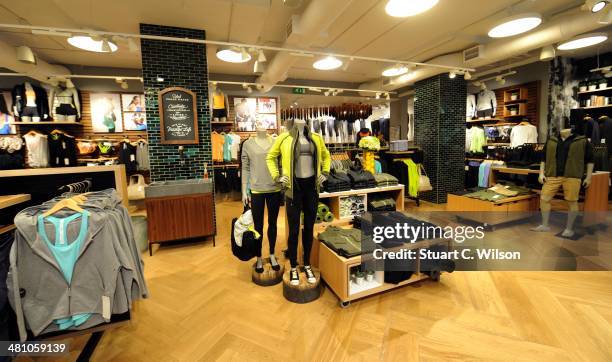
(178, 116)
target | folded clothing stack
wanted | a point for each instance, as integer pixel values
(337, 181)
(345, 242)
(361, 179)
(352, 206)
(384, 179)
(381, 203)
(323, 214)
(499, 192)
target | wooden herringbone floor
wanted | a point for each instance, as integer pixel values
(204, 307)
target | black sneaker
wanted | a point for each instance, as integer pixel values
(309, 274)
(294, 278)
(274, 263)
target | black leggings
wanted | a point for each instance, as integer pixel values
(258, 202)
(305, 199)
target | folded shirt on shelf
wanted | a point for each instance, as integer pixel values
(336, 182)
(381, 204)
(345, 242)
(384, 179)
(361, 179)
(499, 192)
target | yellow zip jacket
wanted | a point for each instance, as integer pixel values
(285, 146)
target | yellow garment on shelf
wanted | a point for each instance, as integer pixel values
(368, 161)
(218, 100)
(217, 141)
(413, 178)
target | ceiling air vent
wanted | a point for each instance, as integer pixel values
(473, 53)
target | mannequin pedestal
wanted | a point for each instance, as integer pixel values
(269, 276)
(304, 292)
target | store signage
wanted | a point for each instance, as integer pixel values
(299, 90)
(178, 116)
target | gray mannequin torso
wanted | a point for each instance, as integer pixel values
(305, 164)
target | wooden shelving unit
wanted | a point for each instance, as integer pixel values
(10, 200)
(594, 107)
(48, 123)
(336, 271)
(596, 90)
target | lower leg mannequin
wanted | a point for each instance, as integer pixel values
(571, 219)
(273, 202)
(545, 208)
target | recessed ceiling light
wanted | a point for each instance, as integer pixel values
(404, 8)
(597, 6)
(232, 55)
(395, 71)
(517, 24)
(93, 45)
(583, 41)
(327, 63)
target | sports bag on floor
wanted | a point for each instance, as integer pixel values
(244, 237)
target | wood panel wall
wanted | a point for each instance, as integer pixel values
(533, 101)
(84, 128)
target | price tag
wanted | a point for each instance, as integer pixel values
(132, 158)
(66, 161)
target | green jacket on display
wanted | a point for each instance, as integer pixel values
(285, 146)
(574, 165)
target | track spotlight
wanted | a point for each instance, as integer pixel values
(25, 55)
(244, 86)
(547, 53)
(261, 57)
(245, 54)
(467, 76)
(377, 95)
(388, 96)
(452, 75)
(124, 85)
(132, 46)
(326, 93)
(249, 90)
(105, 46)
(159, 78)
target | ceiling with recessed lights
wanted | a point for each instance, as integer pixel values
(370, 28)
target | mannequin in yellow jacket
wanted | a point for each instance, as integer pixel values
(305, 164)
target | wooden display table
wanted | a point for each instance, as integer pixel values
(333, 200)
(595, 196)
(336, 272)
(494, 213)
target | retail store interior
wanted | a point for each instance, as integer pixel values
(196, 179)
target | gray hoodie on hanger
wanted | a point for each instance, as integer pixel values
(105, 278)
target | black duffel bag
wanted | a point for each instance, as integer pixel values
(247, 250)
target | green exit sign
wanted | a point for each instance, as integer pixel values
(299, 90)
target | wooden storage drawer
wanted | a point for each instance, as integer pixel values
(180, 217)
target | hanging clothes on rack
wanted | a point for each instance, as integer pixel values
(142, 155)
(127, 155)
(62, 149)
(74, 264)
(38, 149)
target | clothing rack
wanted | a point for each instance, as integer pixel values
(344, 111)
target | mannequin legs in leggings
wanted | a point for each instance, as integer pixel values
(305, 199)
(258, 203)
